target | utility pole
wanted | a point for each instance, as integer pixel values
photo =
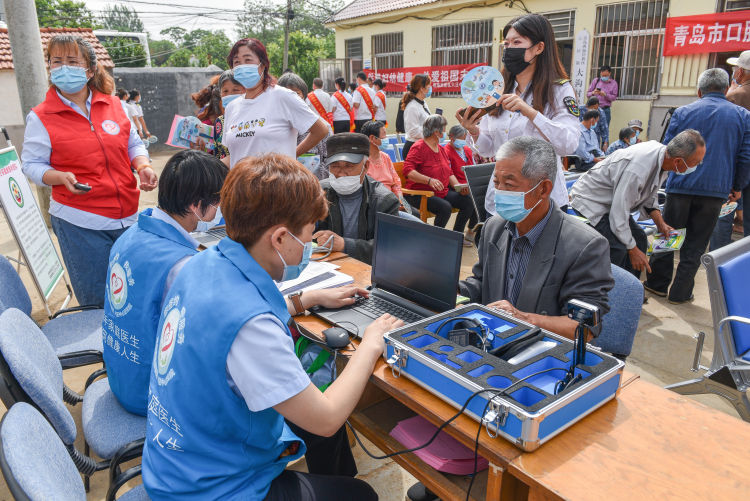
(28, 66)
(287, 20)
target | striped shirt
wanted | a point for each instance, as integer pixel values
(519, 256)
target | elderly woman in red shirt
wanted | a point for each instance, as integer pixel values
(428, 168)
(461, 155)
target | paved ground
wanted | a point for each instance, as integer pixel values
(662, 354)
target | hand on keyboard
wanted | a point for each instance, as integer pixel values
(373, 336)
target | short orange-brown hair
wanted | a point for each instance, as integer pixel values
(261, 192)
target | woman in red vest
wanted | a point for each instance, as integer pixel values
(80, 142)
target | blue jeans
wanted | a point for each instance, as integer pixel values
(602, 126)
(722, 234)
(86, 256)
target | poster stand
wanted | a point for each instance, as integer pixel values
(36, 250)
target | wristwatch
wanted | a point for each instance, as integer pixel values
(296, 299)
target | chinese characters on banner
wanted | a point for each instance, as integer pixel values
(723, 32)
(580, 65)
(443, 78)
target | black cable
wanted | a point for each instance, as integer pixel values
(453, 418)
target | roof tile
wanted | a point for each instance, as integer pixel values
(102, 56)
(361, 8)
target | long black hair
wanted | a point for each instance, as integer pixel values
(418, 82)
(548, 69)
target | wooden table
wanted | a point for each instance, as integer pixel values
(649, 443)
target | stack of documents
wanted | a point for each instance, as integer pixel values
(445, 454)
(317, 275)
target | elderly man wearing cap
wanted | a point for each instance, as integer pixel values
(354, 198)
(739, 94)
(637, 126)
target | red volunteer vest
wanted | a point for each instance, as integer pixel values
(341, 99)
(381, 96)
(96, 152)
(328, 117)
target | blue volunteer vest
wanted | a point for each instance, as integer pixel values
(202, 442)
(139, 263)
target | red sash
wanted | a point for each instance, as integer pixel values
(368, 101)
(381, 95)
(341, 99)
(328, 117)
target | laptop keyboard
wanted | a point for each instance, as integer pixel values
(378, 307)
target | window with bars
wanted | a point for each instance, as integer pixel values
(465, 43)
(563, 24)
(628, 36)
(733, 5)
(353, 53)
(388, 50)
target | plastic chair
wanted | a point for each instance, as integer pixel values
(424, 214)
(390, 150)
(30, 372)
(36, 465)
(620, 324)
(74, 333)
(728, 273)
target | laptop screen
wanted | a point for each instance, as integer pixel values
(417, 261)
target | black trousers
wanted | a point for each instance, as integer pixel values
(443, 207)
(618, 252)
(331, 474)
(359, 123)
(407, 147)
(340, 126)
(698, 215)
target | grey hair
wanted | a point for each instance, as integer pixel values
(540, 160)
(433, 124)
(685, 143)
(227, 75)
(456, 131)
(713, 80)
(293, 81)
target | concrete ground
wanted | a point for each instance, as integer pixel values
(662, 354)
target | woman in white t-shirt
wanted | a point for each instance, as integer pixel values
(269, 117)
(415, 109)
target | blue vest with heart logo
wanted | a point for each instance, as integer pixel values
(202, 441)
(139, 263)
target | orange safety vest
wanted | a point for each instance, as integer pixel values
(368, 101)
(381, 96)
(341, 99)
(328, 117)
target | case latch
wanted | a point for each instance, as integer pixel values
(398, 360)
(496, 415)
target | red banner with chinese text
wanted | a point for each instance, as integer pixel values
(722, 32)
(443, 78)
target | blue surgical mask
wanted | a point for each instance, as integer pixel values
(293, 271)
(511, 205)
(69, 79)
(637, 133)
(228, 99)
(207, 225)
(605, 79)
(247, 75)
(429, 91)
(459, 144)
(633, 140)
(689, 170)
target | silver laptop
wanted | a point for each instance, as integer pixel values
(211, 237)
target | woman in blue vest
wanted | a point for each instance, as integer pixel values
(144, 262)
(225, 380)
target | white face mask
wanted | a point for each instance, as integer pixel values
(346, 185)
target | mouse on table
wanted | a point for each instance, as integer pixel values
(336, 338)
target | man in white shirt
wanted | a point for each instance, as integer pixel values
(319, 101)
(364, 102)
(380, 114)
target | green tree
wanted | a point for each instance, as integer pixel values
(121, 18)
(210, 47)
(125, 52)
(160, 51)
(304, 53)
(64, 14)
(175, 33)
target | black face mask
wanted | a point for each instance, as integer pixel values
(514, 59)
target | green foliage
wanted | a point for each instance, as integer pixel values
(160, 51)
(125, 52)
(121, 18)
(304, 53)
(64, 14)
(209, 47)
